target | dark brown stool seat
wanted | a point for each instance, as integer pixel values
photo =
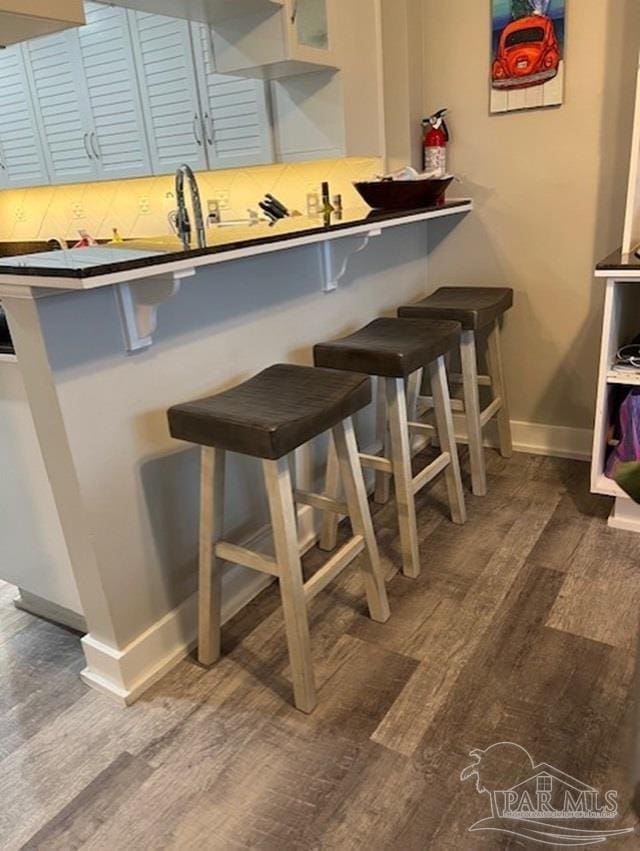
(269, 416)
(473, 307)
(479, 310)
(390, 348)
(396, 351)
(272, 413)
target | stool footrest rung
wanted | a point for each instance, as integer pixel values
(246, 558)
(429, 473)
(423, 428)
(490, 411)
(383, 465)
(322, 503)
(333, 567)
(483, 380)
(427, 401)
(458, 405)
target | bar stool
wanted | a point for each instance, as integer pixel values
(268, 417)
(478, 309)
(394, 349)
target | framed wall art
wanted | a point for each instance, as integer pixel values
(528, 65)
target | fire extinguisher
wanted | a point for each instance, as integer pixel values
(436, 137)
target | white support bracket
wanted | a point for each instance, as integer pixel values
(331, 276)
(138, 304)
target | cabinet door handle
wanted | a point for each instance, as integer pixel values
(95, 147)
(86, 146)
(208, 126)
(196, 135)
(294, 11)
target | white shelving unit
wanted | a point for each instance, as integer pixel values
(621, 324)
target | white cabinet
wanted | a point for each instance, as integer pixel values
(237, 124)
(24, 19)
(63, 117)
(87, 101)
(118, 139)
(170, 101)
(326, 114)
(204, 11)
(299, 39)
(22, 161)
(193, 114)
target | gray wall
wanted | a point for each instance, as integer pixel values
(139, 486)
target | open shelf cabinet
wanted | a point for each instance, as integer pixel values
(620, 325)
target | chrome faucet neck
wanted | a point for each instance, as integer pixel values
(182, 220)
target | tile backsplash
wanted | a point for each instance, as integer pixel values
(139, 208)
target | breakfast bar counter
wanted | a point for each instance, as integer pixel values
(108, 338)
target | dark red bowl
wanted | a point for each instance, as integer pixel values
(403, 194)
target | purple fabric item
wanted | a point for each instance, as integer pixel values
(629, 427)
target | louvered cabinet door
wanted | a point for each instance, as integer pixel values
(164, 59)
(62, 115)
(118, 137)
(234, 110)
(22, 160)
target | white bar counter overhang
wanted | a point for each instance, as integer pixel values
(125, 493)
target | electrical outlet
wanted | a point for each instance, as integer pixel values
(20, 214)
(144, 205)
(78, 211)
(222, 197)
(213, 208)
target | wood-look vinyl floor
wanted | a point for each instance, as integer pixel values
(522, 628)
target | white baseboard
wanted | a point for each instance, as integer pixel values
(538, 439)
(125, 674)
(49, 611)
(555, 441)
(625, 515)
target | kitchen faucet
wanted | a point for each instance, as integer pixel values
(183, 225)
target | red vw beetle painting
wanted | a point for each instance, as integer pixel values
(528, 43)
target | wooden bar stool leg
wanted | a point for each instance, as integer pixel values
(383, 480)
(212, 464)
(285, 535)
(413, 390)
(403, 480)
(356, 495)
(496, 372)
(329, 531)
(468, 356)
(447, 439)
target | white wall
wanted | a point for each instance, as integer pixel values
(550, 192)
(33, 554)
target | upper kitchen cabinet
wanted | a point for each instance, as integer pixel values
(299, 39)
(326, 114)
(236, 118)
(118, 139)
(63, 116)
(22, 161)
(21, 20)
(87, 100)
(164, 57)
(193, 114)
(203, 11)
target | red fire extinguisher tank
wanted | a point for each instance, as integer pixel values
(436, 137)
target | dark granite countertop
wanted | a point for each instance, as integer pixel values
(619, 262)
(138, 254)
